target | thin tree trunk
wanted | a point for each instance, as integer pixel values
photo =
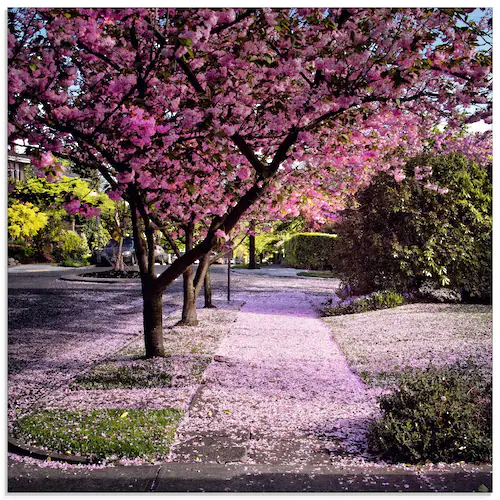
(207, 288)
(251, 247)
(119, 264)
(153, 321)
(189, 317)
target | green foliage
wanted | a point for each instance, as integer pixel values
(102, 433)
(316, 274)
(74, 263)
(25, 221)
(436, 414)
(49, 197)
(401, 234)
(271, 243)
(97, 235)
(22, 253)
(45, 195)
(310, 250)
(376, 300)
(72, 246)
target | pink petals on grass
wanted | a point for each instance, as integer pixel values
(415, 335)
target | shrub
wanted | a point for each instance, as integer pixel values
(72, 246)
(436, 414)
(310, 250)
(430, 293)
(22, 253)
(25, 221)
(372, 302)
(75, 263)
(398, 235)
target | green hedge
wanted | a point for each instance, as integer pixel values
(310, 250)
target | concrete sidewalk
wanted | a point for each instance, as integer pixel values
(188, 477)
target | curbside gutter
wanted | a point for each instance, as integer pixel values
(87, 279)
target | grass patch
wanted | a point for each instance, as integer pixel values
(134, 374)
(144, 373)
(102, 434)
(242, 266)
(316, 274)
(199, 367)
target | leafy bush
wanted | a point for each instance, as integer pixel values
(399, 235)
(25, 221)
(22, 253)
(72, 246)
(430, 293)
(310, 250)
(372, 302)
(75, 263)
(436, 414)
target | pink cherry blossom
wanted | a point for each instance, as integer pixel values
(215, 117)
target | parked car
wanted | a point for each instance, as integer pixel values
(110, 252)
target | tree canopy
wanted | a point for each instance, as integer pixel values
(209, 116)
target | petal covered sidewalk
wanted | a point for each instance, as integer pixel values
(278, 392)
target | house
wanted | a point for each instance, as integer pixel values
(16, 164)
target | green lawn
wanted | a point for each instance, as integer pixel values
(102, 433)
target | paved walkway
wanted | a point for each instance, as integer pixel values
(279, 392)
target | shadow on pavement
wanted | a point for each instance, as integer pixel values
(233, 478)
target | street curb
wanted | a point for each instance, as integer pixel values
(211, 477)
(86, 279)
(19, 448)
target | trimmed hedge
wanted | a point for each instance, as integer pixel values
(310, 250)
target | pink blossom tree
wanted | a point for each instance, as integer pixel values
(202, 118)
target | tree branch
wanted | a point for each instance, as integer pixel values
(239, 17)
(248, 153)
(190, 76)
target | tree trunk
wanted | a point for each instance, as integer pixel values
(207, 288)
(252, 264)
(119, 264)
(189, 317)
(153, 322)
